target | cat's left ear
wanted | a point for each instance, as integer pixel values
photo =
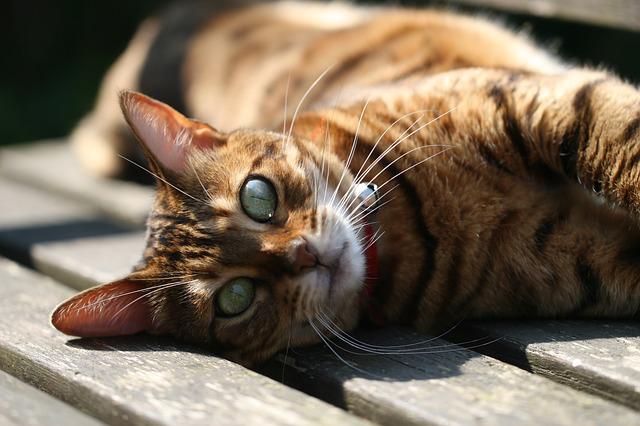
(166, 136)
(116, 309)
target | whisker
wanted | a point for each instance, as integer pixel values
(317, 176)
(327, 141)
(372, 242)
(402, 138)
(164, 287)
(357, 211)
(381, 350)
(412, 166)
(286, 101)
(448, 148)
(389, 127)
(326, 342)
(142, 290)
(304, 97)
(167, 277)
(286, 352)
(422, 342)
(464, 347)
(363, 224)
(163, 180)
(358, 178)
(351, 153)
(326, 182)
(206, 191)
(364, 214)
(397, 142)
(324, 160)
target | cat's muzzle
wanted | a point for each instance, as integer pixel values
(368, 195)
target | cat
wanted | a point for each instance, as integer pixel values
(428, 167)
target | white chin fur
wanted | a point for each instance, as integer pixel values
(337, 287)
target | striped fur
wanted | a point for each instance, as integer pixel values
(527, 206)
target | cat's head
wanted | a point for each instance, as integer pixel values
(246, 241)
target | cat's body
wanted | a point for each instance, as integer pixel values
(526, 205)
(197, 58)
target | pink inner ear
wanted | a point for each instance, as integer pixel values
(167, 134)
(114, 309)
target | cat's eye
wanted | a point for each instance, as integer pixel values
(258, 199)
(235, 297)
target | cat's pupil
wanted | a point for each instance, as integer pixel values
(235, 297)
(258, 199)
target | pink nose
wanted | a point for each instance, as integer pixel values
(303, 256)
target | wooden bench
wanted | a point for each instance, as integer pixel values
(621, 14)
(69, 231)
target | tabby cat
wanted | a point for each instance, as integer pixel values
(392, 165)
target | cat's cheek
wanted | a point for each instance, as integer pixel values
(304, 335)
(315, 285)
(352, 269)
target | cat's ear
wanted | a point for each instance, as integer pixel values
(116, 309)
(166, 135)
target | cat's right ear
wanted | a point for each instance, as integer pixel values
(116, 309)
(166, 136)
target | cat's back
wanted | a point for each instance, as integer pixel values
(236, 64)
(249, 58)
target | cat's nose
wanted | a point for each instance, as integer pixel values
(304, 256)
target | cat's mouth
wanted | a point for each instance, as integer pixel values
(334, 269)
(338, 272)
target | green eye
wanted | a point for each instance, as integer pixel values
(235, 297)
(258, 199)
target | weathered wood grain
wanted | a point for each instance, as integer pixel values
(460, 387)
(24, 405)
(32, 218)
(446, 386)
(24, 206)
(613, 13)
(51, 165)
(602, 357)
(82, 263)
(137, 380)
(96, 255)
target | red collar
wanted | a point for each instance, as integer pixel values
(367, 301)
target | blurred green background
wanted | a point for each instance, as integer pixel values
(55, 53)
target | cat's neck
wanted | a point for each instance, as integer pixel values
(399, 215)
(370, 307)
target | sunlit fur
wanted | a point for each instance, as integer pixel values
(212, 240)
(510, 180)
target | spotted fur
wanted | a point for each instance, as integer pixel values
(526, 207)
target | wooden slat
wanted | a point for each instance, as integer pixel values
(24, 405)
(23, 206)
(623, 14)
(80, 263)
(51, 165)
(137, 380)
(601, 357)
(457, 387)
(98, 259)
(32, 218)
(447, 386)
